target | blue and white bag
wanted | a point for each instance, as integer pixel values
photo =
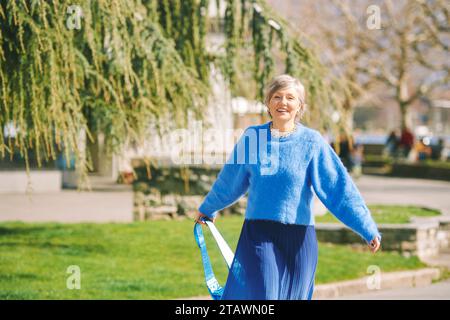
(214, 288)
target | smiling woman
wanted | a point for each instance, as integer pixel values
(276, 255)
(285, 98)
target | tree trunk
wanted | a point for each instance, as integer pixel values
(403, 114)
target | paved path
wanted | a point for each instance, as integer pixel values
(436, 291)
(404, 191)
(103, 205)
(68, 206)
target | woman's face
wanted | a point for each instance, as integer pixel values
(284, 104)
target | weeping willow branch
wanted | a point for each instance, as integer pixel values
(130, 64)
(112, 75)
(274, 42)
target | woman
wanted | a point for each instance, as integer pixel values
(276, 255)
(392, 144)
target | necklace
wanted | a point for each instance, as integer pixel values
(278, 134)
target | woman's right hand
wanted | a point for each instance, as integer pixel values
(375, 244)
(201, 215)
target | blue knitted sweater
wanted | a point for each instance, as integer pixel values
(280, 174)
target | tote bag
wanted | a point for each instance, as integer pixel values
(214, 288)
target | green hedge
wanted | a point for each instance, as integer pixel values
(429, 169)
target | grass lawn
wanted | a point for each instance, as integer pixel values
(388, 214)
(148, 260)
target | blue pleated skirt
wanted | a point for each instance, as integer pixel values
(273, 261)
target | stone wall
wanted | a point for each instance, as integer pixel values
(156, 207)
(175, 192)
(424, 237)
(174, 179)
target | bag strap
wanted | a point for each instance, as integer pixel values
(214, 288)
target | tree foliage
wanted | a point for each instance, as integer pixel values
(132, 63)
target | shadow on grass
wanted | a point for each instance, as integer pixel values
(21, 276)
(67, 249)
(17, 230)
(18, 295)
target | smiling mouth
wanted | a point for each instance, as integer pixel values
(282, 111)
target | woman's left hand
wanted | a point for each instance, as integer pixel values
(374, 245)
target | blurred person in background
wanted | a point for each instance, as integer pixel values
(357, 159)
(436, 150)
(422, 150)
(406, 141)
(392, 144)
